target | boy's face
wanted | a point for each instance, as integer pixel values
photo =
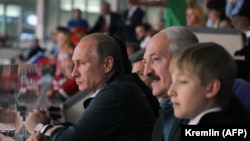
(187, 94)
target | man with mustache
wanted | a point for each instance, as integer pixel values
(158, 54)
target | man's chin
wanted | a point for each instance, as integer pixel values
(81, 88)
(156, 93)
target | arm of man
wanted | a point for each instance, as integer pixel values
(36, 117)
(100, 120)
(240, 23)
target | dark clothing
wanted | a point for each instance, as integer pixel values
(30, 52)
(245, 51)
(119, 112)
(153, 101)
(81, 24)
(129, 24)
(234, 113)
(113, 26)
(243, 65)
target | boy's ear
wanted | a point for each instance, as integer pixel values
(108, 64)
(213, 88)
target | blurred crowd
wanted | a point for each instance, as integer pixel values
(131, 27)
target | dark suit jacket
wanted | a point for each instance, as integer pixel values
(119, 112)
(135, 19)
(153, 101)
(113, 27)
(234, 113)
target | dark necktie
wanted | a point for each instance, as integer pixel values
(87, 102)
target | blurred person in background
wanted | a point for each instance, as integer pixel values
(233, 7)
(242, 56)
(143, 34)
(138, 68)
(216, 15)
(78, 26)
(107, 21)
(132, 48)
(31, 51)
(65, 88)
(65, 49)
(131, 17)
(194, 15)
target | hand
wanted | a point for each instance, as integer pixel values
(11, 116)
(240, 23)
(37, 137)
(36, 117)
(5, 138)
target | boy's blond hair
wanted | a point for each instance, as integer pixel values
(208, 61)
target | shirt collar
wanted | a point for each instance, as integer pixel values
(196, 120)
(96, 93)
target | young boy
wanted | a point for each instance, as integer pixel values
(202, 80)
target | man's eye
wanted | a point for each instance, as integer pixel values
(82, 63)
(156, 58)
(144, 61)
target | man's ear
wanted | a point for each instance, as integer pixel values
(108, 64)
(213, 88)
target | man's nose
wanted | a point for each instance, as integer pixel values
(74, 72)
(147, 69)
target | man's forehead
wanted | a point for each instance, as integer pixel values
(160, 50)
(83, 50)
(159, 42)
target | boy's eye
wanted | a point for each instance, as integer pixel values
(183, 82)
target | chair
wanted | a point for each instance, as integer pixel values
(241, 89)
(73, 107)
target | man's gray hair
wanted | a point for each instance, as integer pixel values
(179, 37)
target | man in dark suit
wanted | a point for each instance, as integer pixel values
(107, 22)
(132, 17)
(31, 51)
(119, 111)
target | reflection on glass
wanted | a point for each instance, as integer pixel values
(19, 90)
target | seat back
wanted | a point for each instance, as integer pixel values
(241, 89)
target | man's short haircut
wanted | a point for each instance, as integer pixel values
(146, 26)
(179, 37)
(106, 4)
(133, 45)
(208, 61)
(107, 46)
(62, 29)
